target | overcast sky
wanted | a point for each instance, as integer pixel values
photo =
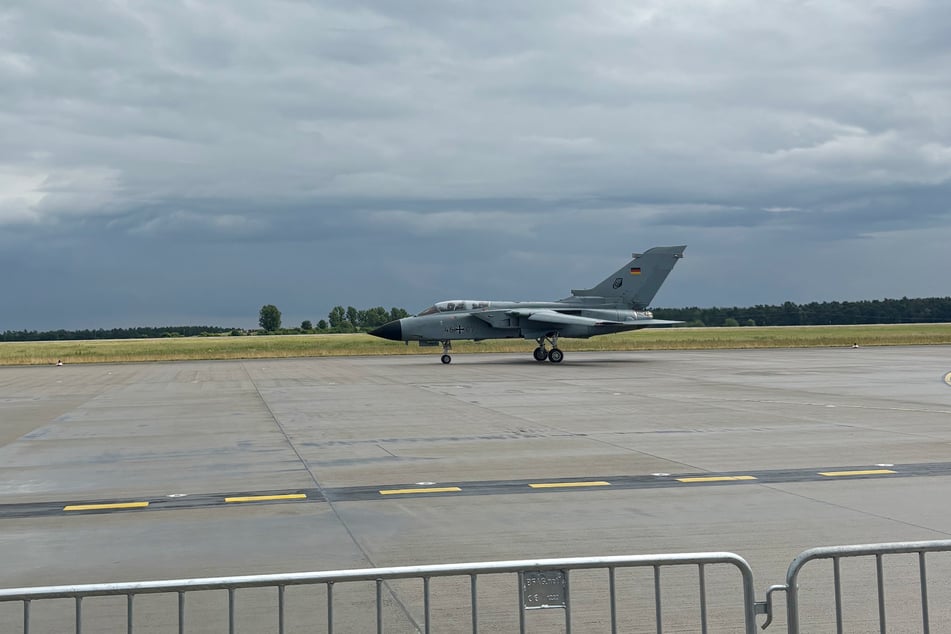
(186, 162)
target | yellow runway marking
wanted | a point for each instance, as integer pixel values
(100, 507)
(268, 498)
(405, 491)
(857, 473)
(553, 485)
(717, 479)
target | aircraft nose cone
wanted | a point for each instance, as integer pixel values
(392, 330)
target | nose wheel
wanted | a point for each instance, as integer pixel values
(446, 348)
(555, 355)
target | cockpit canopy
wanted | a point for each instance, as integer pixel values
(455, 305)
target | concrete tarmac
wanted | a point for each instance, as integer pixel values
(265, 466)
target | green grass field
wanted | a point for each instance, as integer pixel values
(286, 346)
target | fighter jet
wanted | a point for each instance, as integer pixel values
(617, 304)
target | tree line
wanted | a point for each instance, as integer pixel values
(350, 319)
(339, 319)
(142, 332)
(884, 311)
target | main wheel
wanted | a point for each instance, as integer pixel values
(540, 354)
(555, 355)
(446, 358)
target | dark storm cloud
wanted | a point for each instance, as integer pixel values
(175, 160)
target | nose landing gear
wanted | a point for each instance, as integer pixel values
(446, 348)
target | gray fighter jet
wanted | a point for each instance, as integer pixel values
(617, 304)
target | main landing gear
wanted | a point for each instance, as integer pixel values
(555, 355)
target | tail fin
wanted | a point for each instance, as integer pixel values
(639, 280)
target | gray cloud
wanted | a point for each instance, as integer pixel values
(167, 161)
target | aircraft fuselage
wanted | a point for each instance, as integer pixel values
(510, 320)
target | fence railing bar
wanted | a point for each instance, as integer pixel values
(128, 613)
(474, 602)
(280, 609)
(330, 608)
(379, 606)
(567, 602)
(703, 600)
(231, 620)
(612, 582)
(658, 612)
(181, 613)
(837, 585)
(925, 620)
(880, 574)
(521, 603)
(427, 619)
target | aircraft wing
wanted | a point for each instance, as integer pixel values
(541, 315)
(548, 316)
(654, 322)
(554, 317)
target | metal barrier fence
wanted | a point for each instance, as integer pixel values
(836, 554)
(540, 584)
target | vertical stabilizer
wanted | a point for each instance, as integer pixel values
(638, 281)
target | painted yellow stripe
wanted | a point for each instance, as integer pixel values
(100, 507)
(268, 498)
(554, 485)
(857, 473)
(405, 491)
(717, 479)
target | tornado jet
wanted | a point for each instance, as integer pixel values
(618, 304)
